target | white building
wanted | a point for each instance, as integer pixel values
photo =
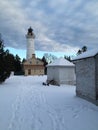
(61, 71)
(32, 65)
(30, 43)
(87, 75)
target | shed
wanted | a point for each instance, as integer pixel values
(87, 75)
(62, 71)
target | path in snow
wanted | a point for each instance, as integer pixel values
(31, 110)
(37, 107)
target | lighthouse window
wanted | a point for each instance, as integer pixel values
(30, 62)
(36, 62)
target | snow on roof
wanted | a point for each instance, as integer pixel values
(61, 62)
(86, 54)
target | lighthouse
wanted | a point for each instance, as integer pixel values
(30, 36)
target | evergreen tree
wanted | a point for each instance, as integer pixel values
(1, 45)
(22, 66)
(67, 58)
(23, 60)
(79, 52)
(9, 61)
(84, 49)
(45, 63)
(4, 67)
(18, 65)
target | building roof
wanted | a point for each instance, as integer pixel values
(86, 54)
(61, 62)
(34, 61)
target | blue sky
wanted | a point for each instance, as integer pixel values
(59, 25)
(39, 54)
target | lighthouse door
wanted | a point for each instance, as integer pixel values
(29, 72)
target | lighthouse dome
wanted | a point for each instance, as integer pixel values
(30, 30)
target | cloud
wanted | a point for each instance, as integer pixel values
(59, 25)
(50, 45)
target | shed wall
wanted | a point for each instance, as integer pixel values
(67, 75)
(85, 78)
(96, 58)
(53, 73)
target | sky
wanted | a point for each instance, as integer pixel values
(61, 26)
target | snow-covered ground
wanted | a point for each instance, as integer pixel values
(25, 104)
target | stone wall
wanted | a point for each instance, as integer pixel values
(67, 75)
(85, 79)
(37, 71)
(96, 57)
(33, 66)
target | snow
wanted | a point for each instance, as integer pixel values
(61, 62)
(25, 104)
(86, 54)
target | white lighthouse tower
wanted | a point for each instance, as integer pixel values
(30, 43)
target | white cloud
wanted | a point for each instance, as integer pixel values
(92, 8)
(52, 46)
(59, 25)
